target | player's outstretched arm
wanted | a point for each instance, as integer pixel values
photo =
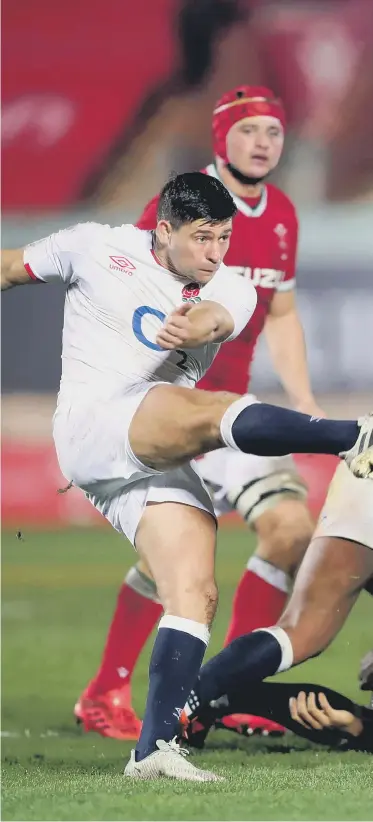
(190, 326)
(13, 270)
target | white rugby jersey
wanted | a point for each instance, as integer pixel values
(117, 298)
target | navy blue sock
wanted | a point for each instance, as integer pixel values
(268, 430)
(175, 662)
(245, 660)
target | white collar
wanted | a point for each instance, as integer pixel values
(241, 205)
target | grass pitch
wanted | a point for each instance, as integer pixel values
(58, 595)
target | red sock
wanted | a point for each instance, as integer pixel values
(259, 599)
(134, 619)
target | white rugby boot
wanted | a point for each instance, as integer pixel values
(360, 457)
(169, 760)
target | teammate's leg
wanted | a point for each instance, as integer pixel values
(328, 582)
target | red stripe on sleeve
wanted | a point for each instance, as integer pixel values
(31, 273)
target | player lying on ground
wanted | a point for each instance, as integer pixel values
(337, 566)
(248, 135)
(314, 712)
(129, 420)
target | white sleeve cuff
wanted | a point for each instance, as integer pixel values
(286, 285)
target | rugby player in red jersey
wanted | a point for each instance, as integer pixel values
(248, 135)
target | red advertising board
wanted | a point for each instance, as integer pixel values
(30, 482)
(31, 479)
(73, 74)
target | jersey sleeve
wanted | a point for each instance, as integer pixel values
(52, 258)
(240, 301)
(290, 249)
(148, 219)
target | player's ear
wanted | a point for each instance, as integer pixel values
(163, 232)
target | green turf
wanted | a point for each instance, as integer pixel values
(58, 595)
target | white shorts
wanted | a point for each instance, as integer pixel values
(268, 478)
(94, 453)
(348, 509)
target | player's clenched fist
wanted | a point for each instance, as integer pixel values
(190, 326)
(177, 329)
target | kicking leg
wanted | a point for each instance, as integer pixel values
(172, 425)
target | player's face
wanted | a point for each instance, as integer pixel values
(254, 145)
(196, 250)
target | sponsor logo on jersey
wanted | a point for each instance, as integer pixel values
(190, 293)
(260, 277)
(122, 264)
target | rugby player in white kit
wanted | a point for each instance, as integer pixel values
(129, 420)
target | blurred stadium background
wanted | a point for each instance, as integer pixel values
(102, 101)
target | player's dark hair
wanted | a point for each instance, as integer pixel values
(195, 196)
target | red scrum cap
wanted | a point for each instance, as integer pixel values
(235, 105)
